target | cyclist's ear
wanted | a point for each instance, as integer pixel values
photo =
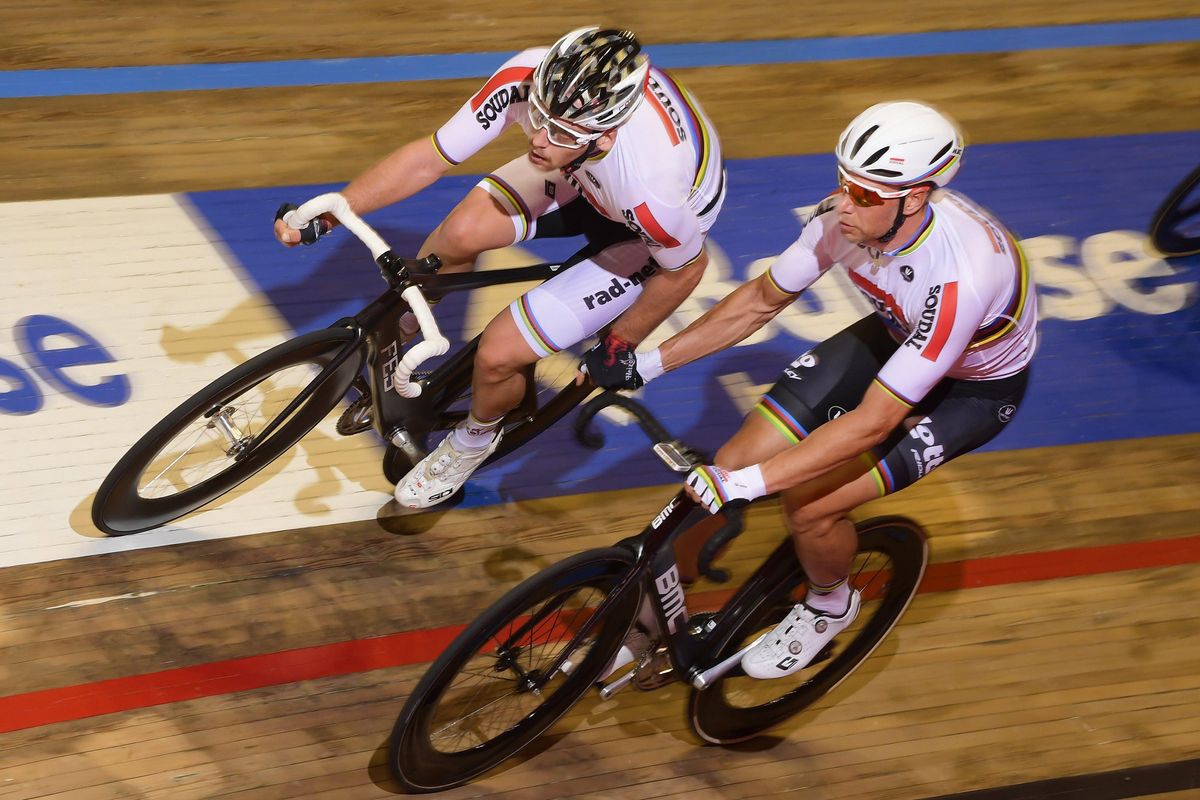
(916, 199)
(606, 140)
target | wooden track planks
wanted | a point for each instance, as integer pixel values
(190, 141)
(980, 687)
(76, 33)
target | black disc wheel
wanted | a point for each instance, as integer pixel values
(495, 688)
(1175, 228)
(891, 559)
(210, 443)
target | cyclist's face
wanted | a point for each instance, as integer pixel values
(546, 153)
(863, 214)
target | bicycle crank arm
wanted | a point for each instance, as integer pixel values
(402, 440)
(705, 679)
(607, 690)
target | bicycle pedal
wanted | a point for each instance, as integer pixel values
(654, 670)
(702, 624)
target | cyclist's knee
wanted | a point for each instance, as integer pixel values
(755, 442)
(475, 225)
(733, 455)
(810, 522)
(502, 352)
(456, 239)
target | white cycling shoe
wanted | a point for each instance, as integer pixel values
(797, 640)
(441, 473)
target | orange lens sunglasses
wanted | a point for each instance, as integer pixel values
(863, 196)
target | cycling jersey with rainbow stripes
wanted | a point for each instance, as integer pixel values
(663, 178)
(958, 295)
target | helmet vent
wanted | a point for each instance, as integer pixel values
(863, 140)
(878, 154)
(941, 153)
(885, 173)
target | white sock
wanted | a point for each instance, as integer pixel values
(476, 433)
(833, 600)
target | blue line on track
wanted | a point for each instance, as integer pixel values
(255, 75)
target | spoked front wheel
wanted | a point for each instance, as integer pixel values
(198, 452)
(491, 692)
(891, 559)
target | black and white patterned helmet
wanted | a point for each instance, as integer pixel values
(594, 78)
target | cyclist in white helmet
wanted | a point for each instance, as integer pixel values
(618, 151)
(938, 370)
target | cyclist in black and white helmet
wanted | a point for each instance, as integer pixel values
(619, 152)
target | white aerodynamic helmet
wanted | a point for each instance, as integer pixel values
(901, 144)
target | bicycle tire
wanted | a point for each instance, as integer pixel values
(120, 508)
(424, 757)
(1180, 208)
(553, 397)
(887, 591)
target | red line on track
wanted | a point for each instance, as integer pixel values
(48, 706)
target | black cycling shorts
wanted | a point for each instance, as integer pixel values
(956, 417)
(579, 218)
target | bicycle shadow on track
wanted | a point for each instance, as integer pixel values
(381, 776)
(676, 696)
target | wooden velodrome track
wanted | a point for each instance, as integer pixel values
(1018, 663)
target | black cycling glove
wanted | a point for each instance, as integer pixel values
(612, 364)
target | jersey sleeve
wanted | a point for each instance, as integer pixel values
(950, 318)
(501, 101)
(805, 260)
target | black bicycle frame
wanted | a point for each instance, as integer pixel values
(378, 325)
(657, 568)
(381, 321)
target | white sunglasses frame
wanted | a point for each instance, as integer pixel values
(580, 139)
(849, 178)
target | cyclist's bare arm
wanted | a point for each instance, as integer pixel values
(660, 296)
(400, 175)
(408, 170)
(837, 442)
(741, 313)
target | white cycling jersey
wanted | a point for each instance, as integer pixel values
(663, 178)
(958, 295)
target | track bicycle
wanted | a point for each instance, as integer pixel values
(248, 417)
(1175, 226)
(612, 616)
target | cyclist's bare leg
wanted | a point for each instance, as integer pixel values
(755, 442)
(501, 369)
(477, 224)
(825, 539)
